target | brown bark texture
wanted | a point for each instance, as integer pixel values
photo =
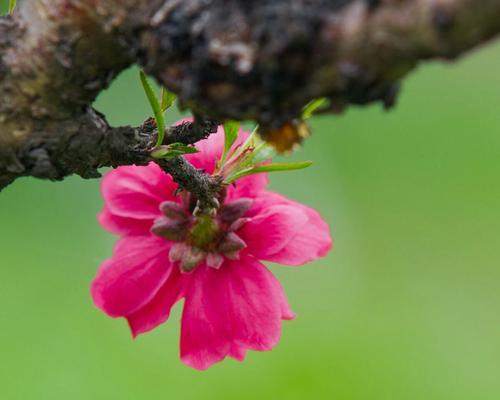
(259, 60)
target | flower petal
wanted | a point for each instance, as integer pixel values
(313, 241)
(157, 311)
(133, 276)
(249, 186)
(228, 311)
(268, 232)
(123, 225)
(286, 312)
(136, 192)
(286, 232)
(210, 151)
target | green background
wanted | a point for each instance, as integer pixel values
(407, 306)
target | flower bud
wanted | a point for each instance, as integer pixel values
(288, 137)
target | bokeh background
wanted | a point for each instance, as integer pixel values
(407, 306)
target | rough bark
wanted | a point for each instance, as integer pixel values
(260, 60)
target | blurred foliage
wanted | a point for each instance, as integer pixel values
(405, 307)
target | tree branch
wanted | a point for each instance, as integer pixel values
(260, 60)
(263, 60)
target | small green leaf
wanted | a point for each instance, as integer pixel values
(230, 135)
(183, 147)
(155, 106)
(167, 99)
(249, 142)
(172, 150)
(12, 6)
(312, 106)
(277, 167)
(262, 152)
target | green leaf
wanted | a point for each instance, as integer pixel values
(183, 147)
(155, 106)
(312, 106)
(250, 141)
(12, 6)
(230, 135)
(167, 99)
(172, 150)
(277, 167)
(262, 152)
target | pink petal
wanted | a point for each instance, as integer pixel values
(266, 200)
(123, 225)
(133, 276)
(294, 234)
(249, 186)
(238, 353)
(312, 242)
(157, 311)
(268, 232)
(286, 311)
(210, 151)
(136, 192)
(228, 311)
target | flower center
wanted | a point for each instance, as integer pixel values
(205, 233)
(202, 237)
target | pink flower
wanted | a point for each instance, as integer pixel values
(232, 302)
